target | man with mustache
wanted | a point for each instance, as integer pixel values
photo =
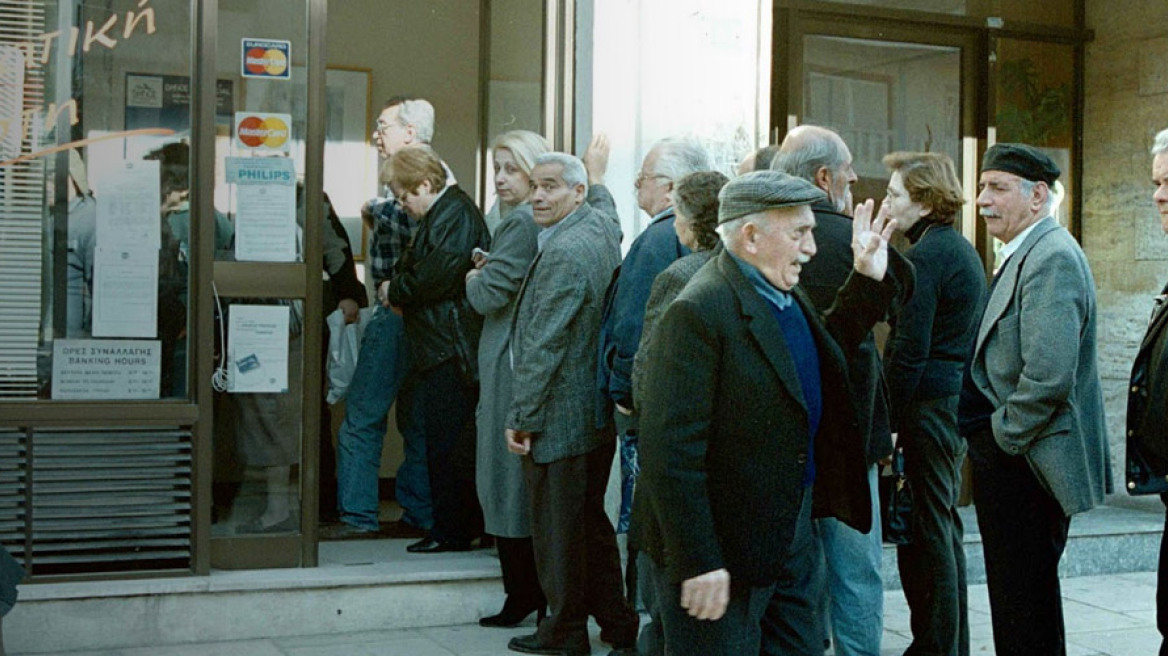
(1031, 402)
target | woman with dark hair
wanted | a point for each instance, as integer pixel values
(695, 205)
(924, 362)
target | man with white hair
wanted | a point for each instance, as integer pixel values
(1147, 400)
(553, 415)
(381, 363)
(1031, 403)
(750, 416)
(849, 570)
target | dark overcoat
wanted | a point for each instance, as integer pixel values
(724, 434)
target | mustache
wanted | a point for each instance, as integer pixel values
(985, 212)
(803, 258)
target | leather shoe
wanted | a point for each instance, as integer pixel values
(430, 545)
(530, 644)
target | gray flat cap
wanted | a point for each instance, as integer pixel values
(760, 191)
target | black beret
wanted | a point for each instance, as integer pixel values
(1023, 161)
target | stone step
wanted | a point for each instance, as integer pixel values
(375, 585)
(1119, 537)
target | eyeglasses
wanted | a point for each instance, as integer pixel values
(642, 177)
(383, 125)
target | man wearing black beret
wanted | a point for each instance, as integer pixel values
(1031, 401)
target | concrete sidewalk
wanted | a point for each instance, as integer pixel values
(1112, 615)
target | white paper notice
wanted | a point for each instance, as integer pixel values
(93, 369)
(125, 292)
(131, 205)
(265, 208)
(257, 348)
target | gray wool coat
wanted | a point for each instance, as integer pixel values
(502, 489)
(499, 478)
(1035, 360)
(555, 336)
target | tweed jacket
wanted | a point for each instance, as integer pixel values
(724, 426)
(1034, 359)
(1147, 399)
(666, 287)
(555, 330)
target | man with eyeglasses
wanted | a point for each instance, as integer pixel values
(654, 249)
(381, 363)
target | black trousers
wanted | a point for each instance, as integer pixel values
(520, 579)
(575, 549)
(448, 407)
(793, 619)
(932, 567)
(737, 633)
(1162, 583)
(1023, 532)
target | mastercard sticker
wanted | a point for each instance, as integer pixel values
(267, 59)
(266, 132)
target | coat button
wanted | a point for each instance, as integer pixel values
(801, 458)
(1131, 485)
(1131, 433)
(1135, 388)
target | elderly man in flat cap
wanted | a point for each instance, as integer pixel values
(750, 418)
(1031, 402)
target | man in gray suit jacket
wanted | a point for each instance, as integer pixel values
(552, 421)
(1031, 403)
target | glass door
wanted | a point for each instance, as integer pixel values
(886, 88)
(264, 288)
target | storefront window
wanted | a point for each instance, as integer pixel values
(94, 188)
(1041, 12)
(668, 68)
(1034, 104)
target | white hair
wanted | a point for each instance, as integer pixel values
(731, 231)
(677, 158)
(420, 114)
(573, 173)
(1054, 195)
(1161, 144)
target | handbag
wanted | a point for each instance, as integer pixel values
(898, 506)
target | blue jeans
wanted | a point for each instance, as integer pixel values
(854, 585)
(412, 490)
(381, 367)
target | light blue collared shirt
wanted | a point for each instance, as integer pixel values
(779, 298)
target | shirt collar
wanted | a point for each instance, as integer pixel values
(1014, 244)
(773, 295)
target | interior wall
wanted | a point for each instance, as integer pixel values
(429, 49)
(1126, 92)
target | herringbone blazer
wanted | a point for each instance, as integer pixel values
(554, 337)
(1035, 360)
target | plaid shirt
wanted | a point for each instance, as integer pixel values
(392, 232)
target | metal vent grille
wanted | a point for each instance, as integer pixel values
(99, 501)
(13, 492)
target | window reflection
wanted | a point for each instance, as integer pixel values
(257, 433)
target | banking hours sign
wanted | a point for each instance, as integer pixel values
(267, 59)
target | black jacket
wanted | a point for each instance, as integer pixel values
(821, 278)
(724, 429)
(932, 334)
(1147, 401)
(429, 283)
